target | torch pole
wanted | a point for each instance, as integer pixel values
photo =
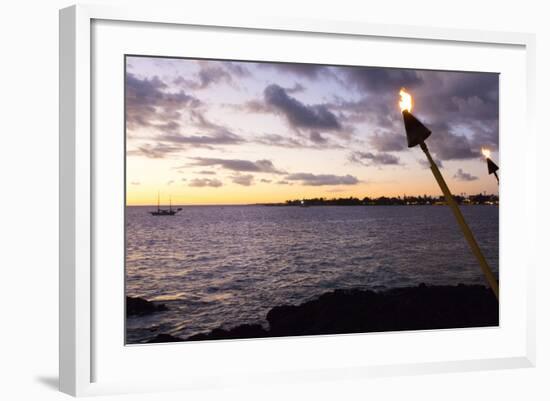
(496, 175)
(461, 222)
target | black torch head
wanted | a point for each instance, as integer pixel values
(491, 166)
(416, 131)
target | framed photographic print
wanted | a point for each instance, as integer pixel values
(235, 192)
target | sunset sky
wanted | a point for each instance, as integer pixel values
(222, 132)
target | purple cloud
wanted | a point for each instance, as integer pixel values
(369, 158)
(461, 175)
(205, 182)
(259, 166)
(245, 180)
(322, 179)
(149, 104)
(298, 114)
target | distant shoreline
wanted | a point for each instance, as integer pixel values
(282, 205)
(421, 200)
(286, 205)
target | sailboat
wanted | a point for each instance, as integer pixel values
(164, 212)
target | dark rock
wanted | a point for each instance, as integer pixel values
(141, 307)
(242, 331)
(164, 338)
(360, 311)
(412, 308)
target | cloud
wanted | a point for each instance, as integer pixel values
(149, 104)
(449, 146)
(310, 71)
(215, 134)
(265, 180)
(135, 183)
(245, 180)
(485, 134)
(205, 182)
(259, 166)
(213, 72)
(296, 88)
(206, 172)
(388, 142)
(157, 151)
(298, 114)
(200, 121)
(322, 179)
(464, 176)
(316, 137)
(379, 112)
(316, 141)
(475, 85)
(168, 126)
(237, 69)
(209, 73)
(425, 163)
(170, 182)
(218, 138)
(254, 106)
(462, 110)
(280, 140)
(283, 182)
(172, 143)
(368, 158)
(460, 98)
(382, 81)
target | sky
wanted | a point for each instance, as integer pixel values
(235, 132)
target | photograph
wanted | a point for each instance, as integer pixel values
(273, 199)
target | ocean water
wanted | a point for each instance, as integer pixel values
(228, 265)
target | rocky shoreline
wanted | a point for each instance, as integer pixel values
(362, 311)
(141, 307)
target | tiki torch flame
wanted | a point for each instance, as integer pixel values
(406, 101)
(486, 152)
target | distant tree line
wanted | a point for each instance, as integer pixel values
(479, 199)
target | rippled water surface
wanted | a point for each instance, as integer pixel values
(228, 265)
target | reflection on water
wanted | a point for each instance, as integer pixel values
(215, 265)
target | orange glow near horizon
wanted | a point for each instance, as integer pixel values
(271, 193)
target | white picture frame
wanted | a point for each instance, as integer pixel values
(78, 162)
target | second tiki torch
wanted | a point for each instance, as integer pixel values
(492, 168)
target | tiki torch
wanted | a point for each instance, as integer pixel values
(491, 166)
(417, 133)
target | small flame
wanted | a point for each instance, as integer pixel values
(406, 102)
(486, 152)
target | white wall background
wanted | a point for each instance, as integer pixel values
(29, 197)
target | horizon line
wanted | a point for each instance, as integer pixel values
(292, 200)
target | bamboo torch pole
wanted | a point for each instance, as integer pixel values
(461, 222)
(417, 133)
